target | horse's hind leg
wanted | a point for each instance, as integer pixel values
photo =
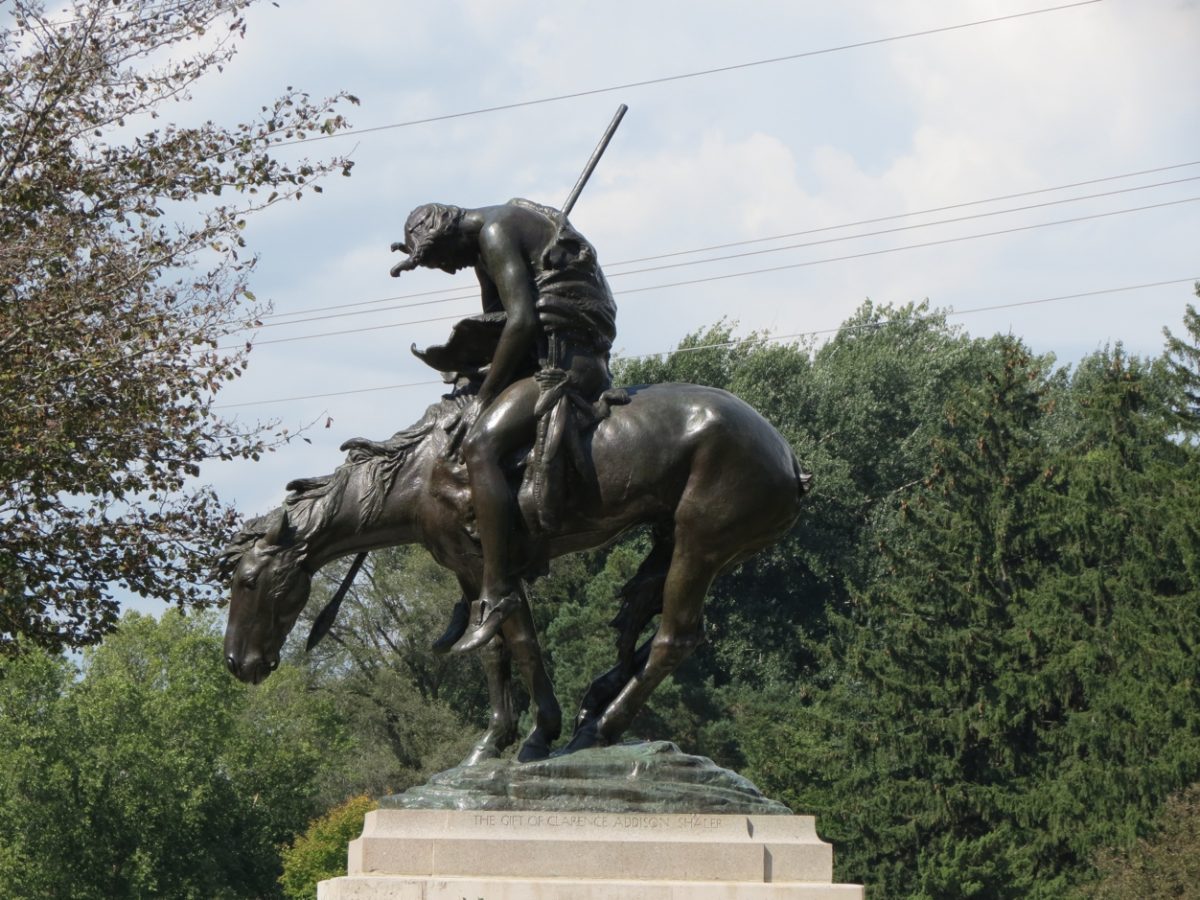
(521, 638)
(641, 601)
(605, 688)
(642, 597)
(694, 563)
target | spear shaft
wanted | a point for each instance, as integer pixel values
(591, 165)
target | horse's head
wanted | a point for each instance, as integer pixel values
(269, 589)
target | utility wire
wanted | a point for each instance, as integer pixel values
(758, 240)
(366, 312)
(758, 340)
(849, 237)
(711, 259)
(680, 77)
(386, 387)
(309, 337)
(863, 255)
(919, 212)
(786, 266)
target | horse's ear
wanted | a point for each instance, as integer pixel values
(277, 529)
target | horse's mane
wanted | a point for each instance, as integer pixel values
(313, 502)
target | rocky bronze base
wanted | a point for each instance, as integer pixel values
(643, 777)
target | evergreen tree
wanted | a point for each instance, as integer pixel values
(1018, 682)
(1183, 359)
(1164, 864)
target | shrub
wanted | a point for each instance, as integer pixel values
(320, 852)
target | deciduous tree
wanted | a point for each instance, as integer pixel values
(123, 268)
(151, 772)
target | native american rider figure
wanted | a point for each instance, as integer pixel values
(537, 361)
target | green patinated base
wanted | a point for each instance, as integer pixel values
(644, 777)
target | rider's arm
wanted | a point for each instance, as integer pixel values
(503, 257)
(489, 297)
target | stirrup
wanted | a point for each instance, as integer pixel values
(486, 618)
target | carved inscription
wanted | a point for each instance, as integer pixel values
(567, 821)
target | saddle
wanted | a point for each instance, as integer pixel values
(558, 465)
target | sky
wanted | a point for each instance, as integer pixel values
(869, 111)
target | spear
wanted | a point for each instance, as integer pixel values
(587, 171)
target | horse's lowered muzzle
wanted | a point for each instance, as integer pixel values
(252, 670)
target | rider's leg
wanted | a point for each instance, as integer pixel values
(504, 426)
(508, 424)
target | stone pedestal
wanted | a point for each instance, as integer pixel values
(424, 854)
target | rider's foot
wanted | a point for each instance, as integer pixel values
(454, 630)
(486, 617)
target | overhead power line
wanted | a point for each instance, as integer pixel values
(804, 54)
(767, 339)
(759, 240)
(309, 337)
(868, 253)
(797, 265)
(370, 390)
(747, 253)
(922, 212)
(883, 231)
(471, 295)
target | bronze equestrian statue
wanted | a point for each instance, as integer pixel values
(530, 456)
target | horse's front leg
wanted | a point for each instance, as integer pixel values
(521, 638)
(502, 727)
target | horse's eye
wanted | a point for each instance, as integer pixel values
(250, 582)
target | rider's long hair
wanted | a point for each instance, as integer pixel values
(429, 226)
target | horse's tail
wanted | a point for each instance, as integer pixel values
(804, 480)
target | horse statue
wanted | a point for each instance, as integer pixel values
(713, 480)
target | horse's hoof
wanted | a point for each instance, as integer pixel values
(486, 617)
(585, 738)
(454, 630)
(479, 753)
(535, 747)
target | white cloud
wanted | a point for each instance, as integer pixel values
(829, 139)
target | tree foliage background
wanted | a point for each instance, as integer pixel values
(122, 267)
(148, 772)
(974, 659)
